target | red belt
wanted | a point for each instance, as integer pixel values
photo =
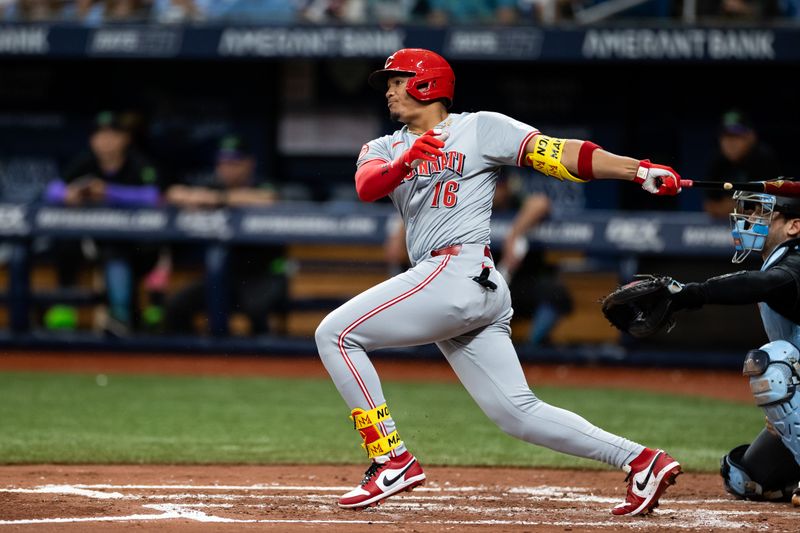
(455, 249)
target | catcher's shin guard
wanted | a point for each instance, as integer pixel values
(386, 475)
(762, 471)
(774, 372)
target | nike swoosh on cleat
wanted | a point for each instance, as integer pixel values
(387, 481)
(643, 484)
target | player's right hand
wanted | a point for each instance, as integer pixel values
(426, 148)
(660, 180)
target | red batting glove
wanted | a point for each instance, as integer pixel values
(426, 148)
(660, 180)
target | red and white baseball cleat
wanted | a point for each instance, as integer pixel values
(384, 477)
(649, 475)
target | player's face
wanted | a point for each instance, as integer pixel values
(402, 107)
(736, 147)
(107, 142)
(235, 172)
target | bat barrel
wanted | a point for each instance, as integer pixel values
(789, 189)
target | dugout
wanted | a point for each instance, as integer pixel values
(308, 109)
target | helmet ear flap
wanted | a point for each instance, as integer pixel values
(428, 87)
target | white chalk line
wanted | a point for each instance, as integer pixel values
(689, 519)
(69, 489)
(267, 487)
(540, 493)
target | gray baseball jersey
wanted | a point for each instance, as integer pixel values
(443, 203)
(449, 201)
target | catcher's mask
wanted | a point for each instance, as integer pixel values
(752, 214)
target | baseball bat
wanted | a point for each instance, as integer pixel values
(781, 187)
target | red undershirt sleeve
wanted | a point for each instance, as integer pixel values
(376, 178)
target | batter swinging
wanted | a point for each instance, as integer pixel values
(439, 170)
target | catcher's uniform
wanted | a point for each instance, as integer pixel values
(453, 296)
(769, 467)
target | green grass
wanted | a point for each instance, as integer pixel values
(68, 418)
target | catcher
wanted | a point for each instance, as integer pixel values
(768, 469)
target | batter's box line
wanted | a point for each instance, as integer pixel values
(538, 493)
(262, 487)
(691, 519)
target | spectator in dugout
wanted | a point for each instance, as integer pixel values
(111, 173)
(741, 156)
(536, 288)
(258, 284)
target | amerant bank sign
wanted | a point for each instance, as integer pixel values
(689, 44)
(309, 42)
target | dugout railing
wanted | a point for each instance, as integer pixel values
(621, 243)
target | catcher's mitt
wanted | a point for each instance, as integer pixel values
(643, 306)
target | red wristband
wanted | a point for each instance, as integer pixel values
(585, 160)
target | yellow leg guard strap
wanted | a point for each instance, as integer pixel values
(546, 158)
(362, 419)
(384, 445)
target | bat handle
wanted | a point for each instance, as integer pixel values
(687, 183)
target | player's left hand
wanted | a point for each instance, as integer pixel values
(660, 180)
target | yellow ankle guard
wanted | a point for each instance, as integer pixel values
(366, 423)
(546, 158)
(362, 419)
(383, 445)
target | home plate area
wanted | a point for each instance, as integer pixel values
(303, 498)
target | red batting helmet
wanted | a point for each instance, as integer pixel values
(431, 75)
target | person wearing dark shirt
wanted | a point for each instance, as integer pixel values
(769, 467)
(536, 289)
(742, 157)
(258, 273)
(111, 173)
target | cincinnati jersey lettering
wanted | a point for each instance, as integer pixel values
(452, 161)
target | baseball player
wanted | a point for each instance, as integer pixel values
(768, 468)
(439, 170)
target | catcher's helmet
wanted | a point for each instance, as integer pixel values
(431, 75)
